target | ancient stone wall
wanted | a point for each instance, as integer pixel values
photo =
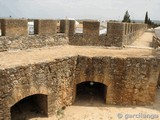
(156, 42)
(129, 81)
(91, 28)
(133, 31)
(45, 27)
(53, 79)
(84, 40)
(90, 35)
(71, 27)
(15, 34)
(33, 41)
(67, 27)
(64, 26)
(118, 34)
(14, 27)
(115, 32)
(121, 34)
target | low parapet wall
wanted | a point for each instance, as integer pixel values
(156, 42)
(15, 34)
(45, 27)
(118, 34)
(14, 27)
(33, 41)
(121, 34)
(90, 35)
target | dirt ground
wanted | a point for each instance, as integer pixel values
(97, 110)
(32, 56)
(144, 41)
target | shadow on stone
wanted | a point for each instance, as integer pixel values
(30, 107)
(90, 94)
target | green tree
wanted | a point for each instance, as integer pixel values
(146, 18)
(149, 21)
(126, 17)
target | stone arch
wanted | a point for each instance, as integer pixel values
(30, 106)
(19, 95)
(107, 84)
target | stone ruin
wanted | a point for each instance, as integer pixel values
(52, 84)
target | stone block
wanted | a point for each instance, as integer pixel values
(45, 27)
(14, 27)
(91, 28)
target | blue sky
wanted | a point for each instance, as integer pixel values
(80, 9)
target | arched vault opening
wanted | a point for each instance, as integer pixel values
(90, 93)
(30, 107)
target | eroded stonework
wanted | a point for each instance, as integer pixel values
(130, 79)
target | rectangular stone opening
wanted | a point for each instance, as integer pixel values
(79, 27)
(90, 93)
(31, 27)
(103, 28)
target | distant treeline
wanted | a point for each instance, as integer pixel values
(147, 20)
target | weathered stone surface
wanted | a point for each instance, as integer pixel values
(91, 28)
(33, 41)
(129, 81)
(118, 34)
(45, 27)
(90, 40)
(14, 27)
(121, 34)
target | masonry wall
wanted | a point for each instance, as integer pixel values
(52, 78)
(135, 30)
(45, 27)
(33, 41)
(14, 27)
(15, 35)
(118, 34)
(155, 42)
(87, 40)
(64, 26)
(121, 34)
(90, 35)
(129, 81)
(115, 32)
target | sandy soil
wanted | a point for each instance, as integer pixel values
(25, 57)
(96, 110)
(145, 40)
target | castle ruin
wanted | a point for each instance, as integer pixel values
(45, 68)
